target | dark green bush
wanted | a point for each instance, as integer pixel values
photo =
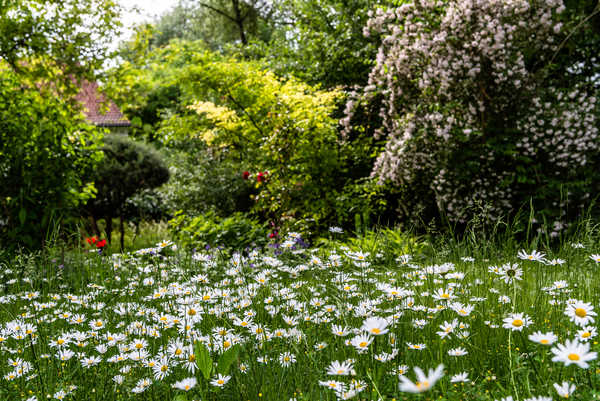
(128, 168)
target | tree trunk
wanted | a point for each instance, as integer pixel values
(239, 20)
(122, 229)
(95, 226)
(109, 228)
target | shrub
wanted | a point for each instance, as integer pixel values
(235, 232)
(204, 180)
(46, 155)
(128, 167)
(481, 104)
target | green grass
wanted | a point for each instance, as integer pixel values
(171, 300)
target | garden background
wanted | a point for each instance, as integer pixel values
(373, 129)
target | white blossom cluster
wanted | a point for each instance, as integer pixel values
(458, 81)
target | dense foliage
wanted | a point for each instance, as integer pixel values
(57, 40)
(228, 117)
(476, 109)
(236, 231)
(127, 168)
(47, 154)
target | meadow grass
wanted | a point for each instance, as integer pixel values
(270, 324)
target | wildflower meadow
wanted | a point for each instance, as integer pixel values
(301, 323)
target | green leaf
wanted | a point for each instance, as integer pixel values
(22, 216)
(227, 358)
(180, 397)
(203, 359)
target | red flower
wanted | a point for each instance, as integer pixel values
(245, 175)
(91, 240)
(261, 177)
(101, 244)
(273, 234)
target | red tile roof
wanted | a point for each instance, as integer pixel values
(97, 109)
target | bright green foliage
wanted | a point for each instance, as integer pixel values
(47, 154)
(281, 128)
(236, 231)
(37, 36)
(248, 119)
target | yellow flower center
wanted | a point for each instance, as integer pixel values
(586, 334)
(178, 351)
(573, 357)
(60, 341)
(226, 344)
(444, 295)
(164, 368)
(98, 324)
(191, 312)
(206, 297)
(580, 312)
(340, 371)
(362, 344)
(544, 341)
(220, 381)
(192, 358)
(517, 323)
(187, 387)
(375, 330)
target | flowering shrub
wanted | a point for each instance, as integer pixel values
(479, 104)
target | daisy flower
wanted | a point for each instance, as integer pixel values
(516, 321)
(534, 255)
(460, 378)
(587, 333)
(361, 342)
(337, 368)
(457, 352)
(332, 384)
(565, 389)
(418, 347)
(595, 258)
(423, 382)
(543, 338)
(186, 384)
(286, 359)
(220, 380)
(511, 272)
(573, 352)
(443, 294)
(581, 313)
(375, 326)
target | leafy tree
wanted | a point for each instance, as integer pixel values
(218, 24)
(47, 153)
(57, 39)
(128, 167)
(322, 41)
